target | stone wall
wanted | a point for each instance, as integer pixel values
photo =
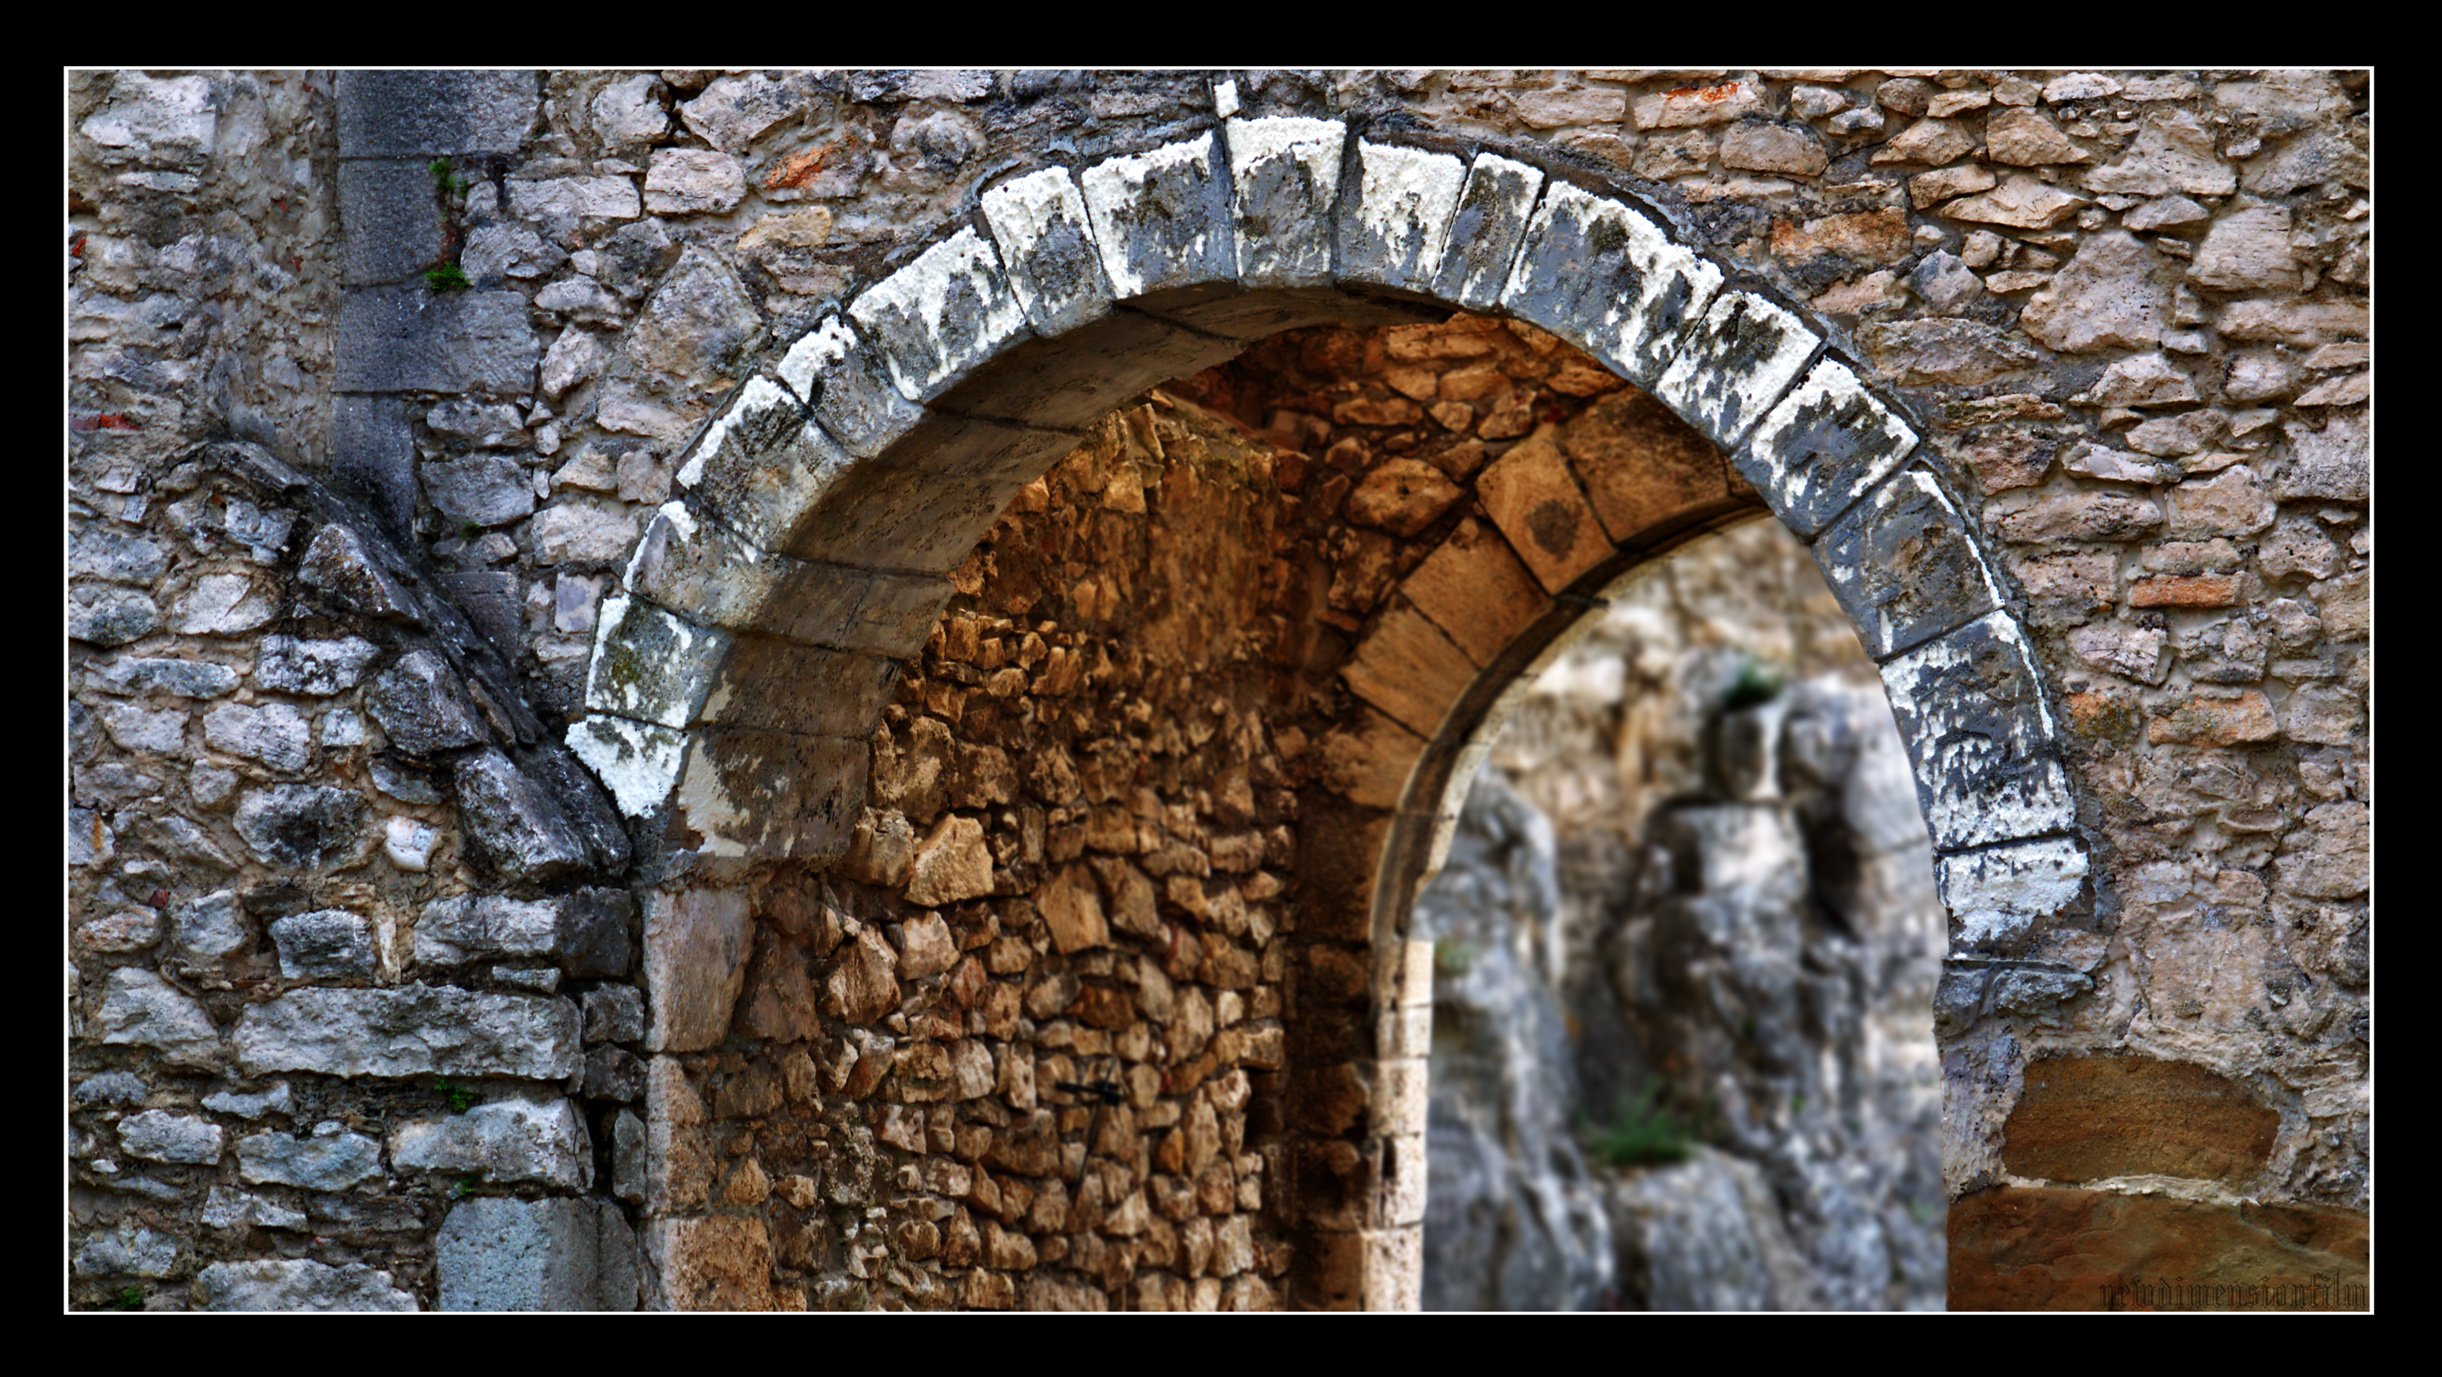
(2125, 312)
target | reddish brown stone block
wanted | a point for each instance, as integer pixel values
(1537, 504)
(1474, 588)
(2202, 721)
(2048, 1248)
(1640, 464)
(1409, 669)
(2086, 1118)
(2193, 591)
(1368, 761)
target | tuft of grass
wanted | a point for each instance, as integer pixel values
(460, 1097)
(448, 277)
(1757, 683)
(444, 178)
(130, 1298)
(1452, 959)
(1642, 1133)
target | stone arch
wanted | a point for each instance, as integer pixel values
(757, 631)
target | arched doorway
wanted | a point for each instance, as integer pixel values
(754, 644)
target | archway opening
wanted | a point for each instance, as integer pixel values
(1088, 1012)
(750, 682)
(1685, 946)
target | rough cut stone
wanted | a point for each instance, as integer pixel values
(1980, 736)
(414, 1030)
(500, 1254)
(2092, 1117)
(1162, 218)
(1285, 172)
(512, 1140)
(329, 1160)
(1606, 279)
(300, 1284)
(1826, 443)
(1905, 566)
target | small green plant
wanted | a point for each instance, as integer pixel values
(1452, 958)
(448, 277)
(468, 530)
(464, 1187)
(444, 178)
(130, 1298)
(460, 1098)
(1757, 683)
(1642, 1133)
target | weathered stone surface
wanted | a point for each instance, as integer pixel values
(2172, 153)
(512, 822)
(1735, 364)
(414, 1030)
(2037, 1248)
(1969, 706)
(501, 1140)
(140, 1009)
(2106, 298)
(330, 943)
(951, 864)
(1394, 223)
(1285, 173)
(1491, 221)
(500, 1254)
(1162, 219)
(332, 1159)
(695, 947)
(1046, 240)
(317, 668)
(1605, 278)
(2087, 1118)
(158, 1136)
(300, 1285)
(420, 707)
(941, 315)
(1826, 443)
(1532, 495)
(410, 114)
(405, 339)
(1905, 565)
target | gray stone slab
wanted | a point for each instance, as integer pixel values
(1979, 736)
(1162, 218)
(1600, 274)
(1395, 216)
(947, 311)
(1822, 447)
(411, 339)
(414, 1030)
(1494, 206)
(502, 1254)
(1047, 248)
(1904, 565)
(1285, 176)
(1733, 364)
(396, 114)
(389, 220)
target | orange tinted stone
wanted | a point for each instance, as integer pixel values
(1474, 588)
(2086, 1118)
(1536, 502)
(2053, 1248)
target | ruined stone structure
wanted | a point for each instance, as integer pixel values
(1686, 946)
(769, 689)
